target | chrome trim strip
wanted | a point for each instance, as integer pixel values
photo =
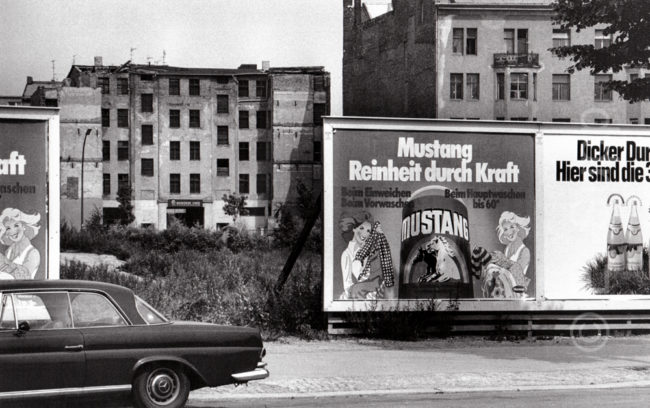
(63, 391)
(257, 374)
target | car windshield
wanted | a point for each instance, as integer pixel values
(148, 313)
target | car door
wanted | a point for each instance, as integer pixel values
(49, 355)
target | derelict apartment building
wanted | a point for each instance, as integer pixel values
(181, 138)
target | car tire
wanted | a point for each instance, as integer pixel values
(161, 386)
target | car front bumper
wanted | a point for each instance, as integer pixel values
(259, 373)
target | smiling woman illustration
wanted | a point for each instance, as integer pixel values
(17, 229)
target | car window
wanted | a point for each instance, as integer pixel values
(7, 318)
(94, 310)
(43, 311)
(148, 313)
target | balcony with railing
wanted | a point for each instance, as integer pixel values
(526, 60)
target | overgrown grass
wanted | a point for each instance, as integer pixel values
(223, 287)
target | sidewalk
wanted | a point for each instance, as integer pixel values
(354, 367)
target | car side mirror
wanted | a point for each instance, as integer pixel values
(23, 327)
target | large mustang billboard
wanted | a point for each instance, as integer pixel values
(487, 215)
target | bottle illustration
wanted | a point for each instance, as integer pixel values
(616, 243)
(634, 238)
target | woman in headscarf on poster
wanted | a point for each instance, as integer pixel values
(22, 259)
(366, 263)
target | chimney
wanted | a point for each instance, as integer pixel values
(30, 80)
(99, 62)
(266, 65)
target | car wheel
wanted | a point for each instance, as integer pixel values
(161, 386)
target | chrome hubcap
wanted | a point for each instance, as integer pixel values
(163, 386)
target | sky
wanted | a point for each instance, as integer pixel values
(192, 33)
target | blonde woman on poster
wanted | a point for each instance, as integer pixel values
(505, 272)
(21, 259)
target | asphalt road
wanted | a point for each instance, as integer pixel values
(611, 398)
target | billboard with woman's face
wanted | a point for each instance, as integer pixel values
(25, 237)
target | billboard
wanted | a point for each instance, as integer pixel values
(26, 230)
(488, 215)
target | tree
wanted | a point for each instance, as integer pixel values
(628, 22)
(235, 205)
(125, 208)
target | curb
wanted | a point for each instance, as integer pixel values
(451, 390)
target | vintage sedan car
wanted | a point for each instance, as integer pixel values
(62, 337)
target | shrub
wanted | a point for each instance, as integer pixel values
(620, 283)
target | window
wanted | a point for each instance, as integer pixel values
(223, 80)
(195, 118)
(470, 43)
(146, 77)
(520, 119)
(222, 104)
(123, 181)
(261, 119)
(147, 167)
(561, 87)
(94, 310)
(516, 41)
(174, 150)
(634, 121)
(123, 150)
(522, 41)
(561, 120)
(601, 92)
(244, 183)
(223, 167)
(518, 86)
(174, 86)
(263, 151)
(243, 119)
(72, 188)
(319, 83)
(123, 118)
(601, 40)
(43, 311)
(195, 150)
(243, 88)
(634, 77)
(243, 151)
(106, 150)
(195, 87)
(255, 211)
(222, 135)
(646, 121)
(561, 38)
(473, 86)
(501, 86)
(318, 151)
(602, 120)
(147, 102)
(148, 313)
(105, 84)
(106, 184)
(174, 183)
(7, 318)
(456, 86)
(457, 41)
(174, 118)
(260, 88)
(509, 40)
(147, 134)
(106, 117)
(123, 86)
(51, 102)
(262, 183)
(320, 110)
(195, 183)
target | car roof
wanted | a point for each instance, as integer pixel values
(123, 297)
